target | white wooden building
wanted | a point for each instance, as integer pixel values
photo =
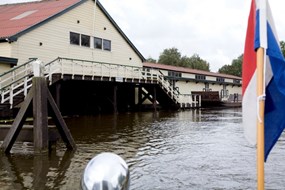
(92, 46)
(187, 81)
(76, 29)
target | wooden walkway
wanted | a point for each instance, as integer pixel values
(15, 84)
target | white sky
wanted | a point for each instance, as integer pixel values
(214, 29)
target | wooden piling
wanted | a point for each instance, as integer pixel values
(42, 98)
(40, 114)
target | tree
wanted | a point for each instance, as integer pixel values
(234, 69)
(282, 45)
(151, 60)
(197, 63)
(173, 57)
(170, 56)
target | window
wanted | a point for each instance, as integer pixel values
(85, 40)
(74, 38)
(236, 81)
(97, 43)
(207, 87)
(220, 79)
(200, 77)
(107, 45)
(174, 74)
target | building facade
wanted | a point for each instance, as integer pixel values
(188, 81)
(76, 29)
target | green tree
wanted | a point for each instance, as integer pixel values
(282, 45)
(170, 56)
(197, 63)
(234, 69)
(151, 60)
(173, 57)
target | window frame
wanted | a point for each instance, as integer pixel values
(72, 41)
(84, 37)
(95, 45)
(109, 48)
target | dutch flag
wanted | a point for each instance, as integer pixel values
(261, 33)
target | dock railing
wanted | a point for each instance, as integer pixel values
(18, 79)
(15, 81)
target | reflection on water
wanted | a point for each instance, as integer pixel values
(196, 149)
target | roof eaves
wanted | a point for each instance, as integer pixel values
(8, 60)
(17, 35)
(120, 31)
(188, 70)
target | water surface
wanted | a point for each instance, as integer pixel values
(196, 149)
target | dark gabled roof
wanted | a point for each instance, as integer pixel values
(188, 70)
(20, 18)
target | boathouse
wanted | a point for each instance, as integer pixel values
(91, 66)
(214, 88)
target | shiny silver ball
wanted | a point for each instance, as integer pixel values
(106, 171)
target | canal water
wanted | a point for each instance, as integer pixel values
(195, 149)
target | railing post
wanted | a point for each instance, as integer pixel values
(11, 95)
(38, 68)
(25, 87)
(195, 101)
(72, 68)
(61, 66)
(83, 71)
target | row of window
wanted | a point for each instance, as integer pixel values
(220, 79)
(85, 41)
(200, 77)
(174, 74)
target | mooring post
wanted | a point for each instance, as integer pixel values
(115, 105)
(40, 98)
(154, 98)
(40, 111)
(40, 114)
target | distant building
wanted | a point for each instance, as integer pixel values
(187, 80)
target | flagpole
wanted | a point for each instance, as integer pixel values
(260, 121)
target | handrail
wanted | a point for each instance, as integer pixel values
(13, 79)
(17, 67)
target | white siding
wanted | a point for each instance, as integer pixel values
(188, 87)
(5, 49)
(234, 89)
(211, 78)
(216, 87)
(54, 36)
(4, 67)
(188, 75)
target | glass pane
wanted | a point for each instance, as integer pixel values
(74, 38)
(97, 43)
(107, 45)
(85, 40)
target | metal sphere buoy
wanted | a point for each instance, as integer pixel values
(106, 171)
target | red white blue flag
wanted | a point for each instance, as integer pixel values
(261, 33)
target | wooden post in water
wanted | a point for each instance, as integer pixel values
(40, 113)
(57, 94)
(115, 106)
(154, 99)
(42, 98)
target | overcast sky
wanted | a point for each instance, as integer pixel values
(214, 29)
